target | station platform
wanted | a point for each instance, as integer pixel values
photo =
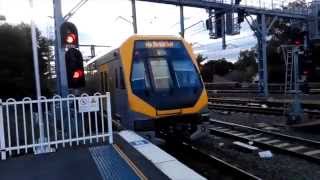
(121, 161)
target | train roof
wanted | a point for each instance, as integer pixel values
(133, 37)
(102, 56)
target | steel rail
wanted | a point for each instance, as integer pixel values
(280, 111)
(295, 146)
(222, 165)
(294, 138)
(273, 103)
(240, 173)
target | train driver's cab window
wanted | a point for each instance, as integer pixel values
(185, 72)
(139, 79)
(160, 73)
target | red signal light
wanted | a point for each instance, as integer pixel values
(297, 42)
(71, 38)
(305, 72)
(77, 74)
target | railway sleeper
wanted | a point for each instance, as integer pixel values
(312, 153)
(272, 141)
(296, 148)
(262, 139)
(283, 145)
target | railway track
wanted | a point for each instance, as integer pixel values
(221, 165)
(294, 146)
(246, 109)
(269, 103)
(230, 169)
(253, 91)
(259, 109)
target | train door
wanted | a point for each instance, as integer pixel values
(104, 84)
(120, 93)
(104, 78)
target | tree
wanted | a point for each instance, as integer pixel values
(219, 67)
(246, 65)
(16, 61)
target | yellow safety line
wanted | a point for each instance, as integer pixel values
(130, 163)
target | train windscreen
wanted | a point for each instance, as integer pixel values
(164, 69)
(166, 62)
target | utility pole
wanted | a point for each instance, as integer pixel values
(134, 17)
(181, 21)
(62, 82)
(263, 56)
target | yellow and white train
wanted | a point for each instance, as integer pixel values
(154, 83)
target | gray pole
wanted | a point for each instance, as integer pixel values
(35, 55)
(37, 78)
(210, 16)
(224, 44)
(296, 114)
(134, 17)
(264, 54)
(181, 21)
(59, 51)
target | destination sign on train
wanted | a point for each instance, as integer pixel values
(159, 44)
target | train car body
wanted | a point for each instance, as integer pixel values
(154, 83)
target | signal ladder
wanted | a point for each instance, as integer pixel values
(291, 57)
(288, 57)
(288, 52)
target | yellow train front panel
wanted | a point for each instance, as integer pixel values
(160, 47)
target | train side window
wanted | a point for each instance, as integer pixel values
(106, 81)
(122, 86)
(102, 82)
(116, 77)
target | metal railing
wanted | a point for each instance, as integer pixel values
(66, 122)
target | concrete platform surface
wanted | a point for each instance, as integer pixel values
(81, 163)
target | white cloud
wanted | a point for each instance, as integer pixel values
(98, 22)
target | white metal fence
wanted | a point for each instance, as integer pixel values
(65, 122)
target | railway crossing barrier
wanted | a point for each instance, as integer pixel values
(66, 121)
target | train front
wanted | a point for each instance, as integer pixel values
(166, 86)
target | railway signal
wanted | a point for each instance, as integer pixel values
(69, 35)
(209, 25)
(241, 16)
(219, 18)
(75, 70)
(237, 2)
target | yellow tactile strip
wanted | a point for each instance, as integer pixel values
(130, 163)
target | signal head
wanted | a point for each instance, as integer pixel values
(71, 38)
(69, 35)
(74, 67)
(77, 74)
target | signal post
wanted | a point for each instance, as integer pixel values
(62, 83)
(69, 65)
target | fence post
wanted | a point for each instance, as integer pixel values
(109, 119)
(2, 137)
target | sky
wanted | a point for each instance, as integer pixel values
(104, 22)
